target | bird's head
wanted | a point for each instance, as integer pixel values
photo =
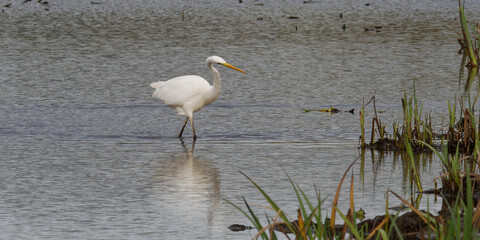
(221, 61)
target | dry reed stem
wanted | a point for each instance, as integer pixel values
(301, 225)
(337, 194)
(377, 228)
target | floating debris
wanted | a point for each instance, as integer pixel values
(7, 5)
(329, 110)
(239, 227)
(373, 28)
(292, 17)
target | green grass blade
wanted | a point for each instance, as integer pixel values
(353, 227)
(299, 198)
(467, 221)
(272, 203)
(418, 183)
(466, 35)
(252, 217)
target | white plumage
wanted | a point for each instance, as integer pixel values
(188, 94)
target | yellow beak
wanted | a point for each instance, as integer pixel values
(232, 67)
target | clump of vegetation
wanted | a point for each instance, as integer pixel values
(460, 220)
(309, 223)
(460, 187)
(419, 133)
(414, 129)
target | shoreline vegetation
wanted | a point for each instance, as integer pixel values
(457, 147)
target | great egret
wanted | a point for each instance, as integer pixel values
(188, 94)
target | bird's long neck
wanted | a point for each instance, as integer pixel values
(217, 85)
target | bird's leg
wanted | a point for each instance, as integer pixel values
(184, 124)
(193, 129)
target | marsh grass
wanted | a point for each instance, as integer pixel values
(458, 151)
(456, 148)
(460, 178)
(413, 130)
(303, 227)
(416, 132)
(472, 49)
(460, 221)
(309, 223)
(416, 128)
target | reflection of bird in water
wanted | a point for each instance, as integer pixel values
(188, 94)
(187, 192)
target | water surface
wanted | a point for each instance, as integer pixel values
(88, 154)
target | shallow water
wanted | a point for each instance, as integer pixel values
(87, 153)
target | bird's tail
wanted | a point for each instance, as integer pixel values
(156, 84)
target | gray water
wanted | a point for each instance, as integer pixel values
(86, 153)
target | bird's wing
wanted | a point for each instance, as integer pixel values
(175, 92)
(156, 84)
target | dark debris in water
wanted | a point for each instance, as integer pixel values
(330, 110)
(239, 227)
(42, 2)
(373, 29)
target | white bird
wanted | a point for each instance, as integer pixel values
(188, 94)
